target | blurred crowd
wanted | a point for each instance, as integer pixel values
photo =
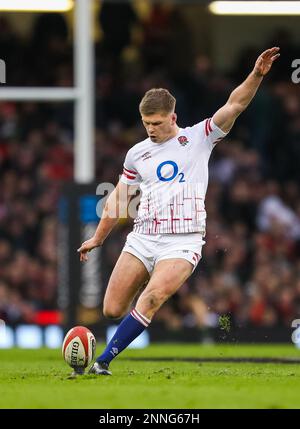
(250, 268)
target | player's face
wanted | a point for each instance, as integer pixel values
(160, 127)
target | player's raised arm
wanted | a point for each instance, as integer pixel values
(240, 98)
(115, 203)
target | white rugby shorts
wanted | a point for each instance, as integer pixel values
(153, 248)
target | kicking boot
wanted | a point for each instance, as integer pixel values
(100, 368)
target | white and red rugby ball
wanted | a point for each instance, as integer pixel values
(79, 347)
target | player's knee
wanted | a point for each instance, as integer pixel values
(113, 312)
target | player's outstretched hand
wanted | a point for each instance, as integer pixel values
(265, 60)
(86, 247)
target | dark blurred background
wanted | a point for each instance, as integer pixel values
(250, 268)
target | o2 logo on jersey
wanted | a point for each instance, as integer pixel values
(173, 175)
(296, 73)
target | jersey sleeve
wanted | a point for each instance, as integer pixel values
(209, 133)
(130, 175)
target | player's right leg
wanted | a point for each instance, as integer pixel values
(128, 276)
(126, 279)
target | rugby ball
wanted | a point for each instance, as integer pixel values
(79, 347)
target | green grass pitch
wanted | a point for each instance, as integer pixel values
(39, 379)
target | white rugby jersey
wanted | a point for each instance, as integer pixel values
(173, 178)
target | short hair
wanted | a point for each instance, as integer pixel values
(157, 100)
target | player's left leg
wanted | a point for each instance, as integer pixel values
(167, 277)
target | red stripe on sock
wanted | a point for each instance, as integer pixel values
(143, 317)
(138, 318)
